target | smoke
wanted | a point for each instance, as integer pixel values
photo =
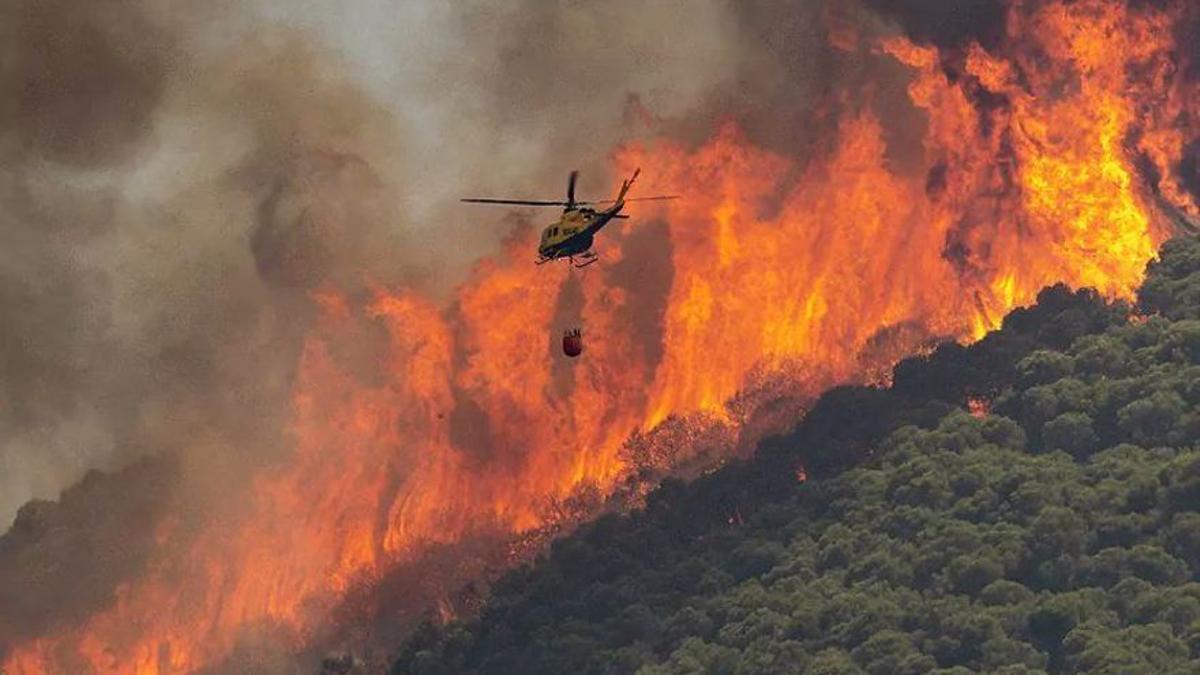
(1188, 37)
(151, 194)
(175, 178)
(1189, 169)
(64, 534)
(71, 95)
(71, 104)
(948, 23)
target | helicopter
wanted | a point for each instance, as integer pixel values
(573, 234)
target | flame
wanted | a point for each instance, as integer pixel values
(979, 407)
(1027, 176)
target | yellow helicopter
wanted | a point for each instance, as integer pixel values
(575, 231)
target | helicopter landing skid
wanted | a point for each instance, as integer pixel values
(586, 260)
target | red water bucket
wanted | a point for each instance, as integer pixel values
(572, 343)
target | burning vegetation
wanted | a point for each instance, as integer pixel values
(1058, 148)
(1057, 533)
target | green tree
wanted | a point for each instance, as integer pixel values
(694, 657)
(1183, 540)
(1153, 420)
(1071, 433)
(891, 652)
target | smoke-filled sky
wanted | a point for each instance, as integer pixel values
(173, 176)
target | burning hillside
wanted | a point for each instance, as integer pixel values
(1061, 148)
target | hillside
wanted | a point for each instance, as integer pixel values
(1053, 528)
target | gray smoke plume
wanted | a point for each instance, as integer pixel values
(174, 178)
(948, 23)
(71, 105)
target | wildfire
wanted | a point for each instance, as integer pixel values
(1028, 176)
(979, 407)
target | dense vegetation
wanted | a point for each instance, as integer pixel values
(1059, 532)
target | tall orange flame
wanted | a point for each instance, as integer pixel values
(779, 266)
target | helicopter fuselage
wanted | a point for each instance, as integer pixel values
(574, 233)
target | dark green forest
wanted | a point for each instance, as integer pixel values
(1057, 531)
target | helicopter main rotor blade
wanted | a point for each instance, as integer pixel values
(521, 202)
(571, 188)
(635, 199)
(536, 202)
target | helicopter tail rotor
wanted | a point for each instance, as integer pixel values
(625, 185)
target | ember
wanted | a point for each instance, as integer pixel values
(979, 406)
